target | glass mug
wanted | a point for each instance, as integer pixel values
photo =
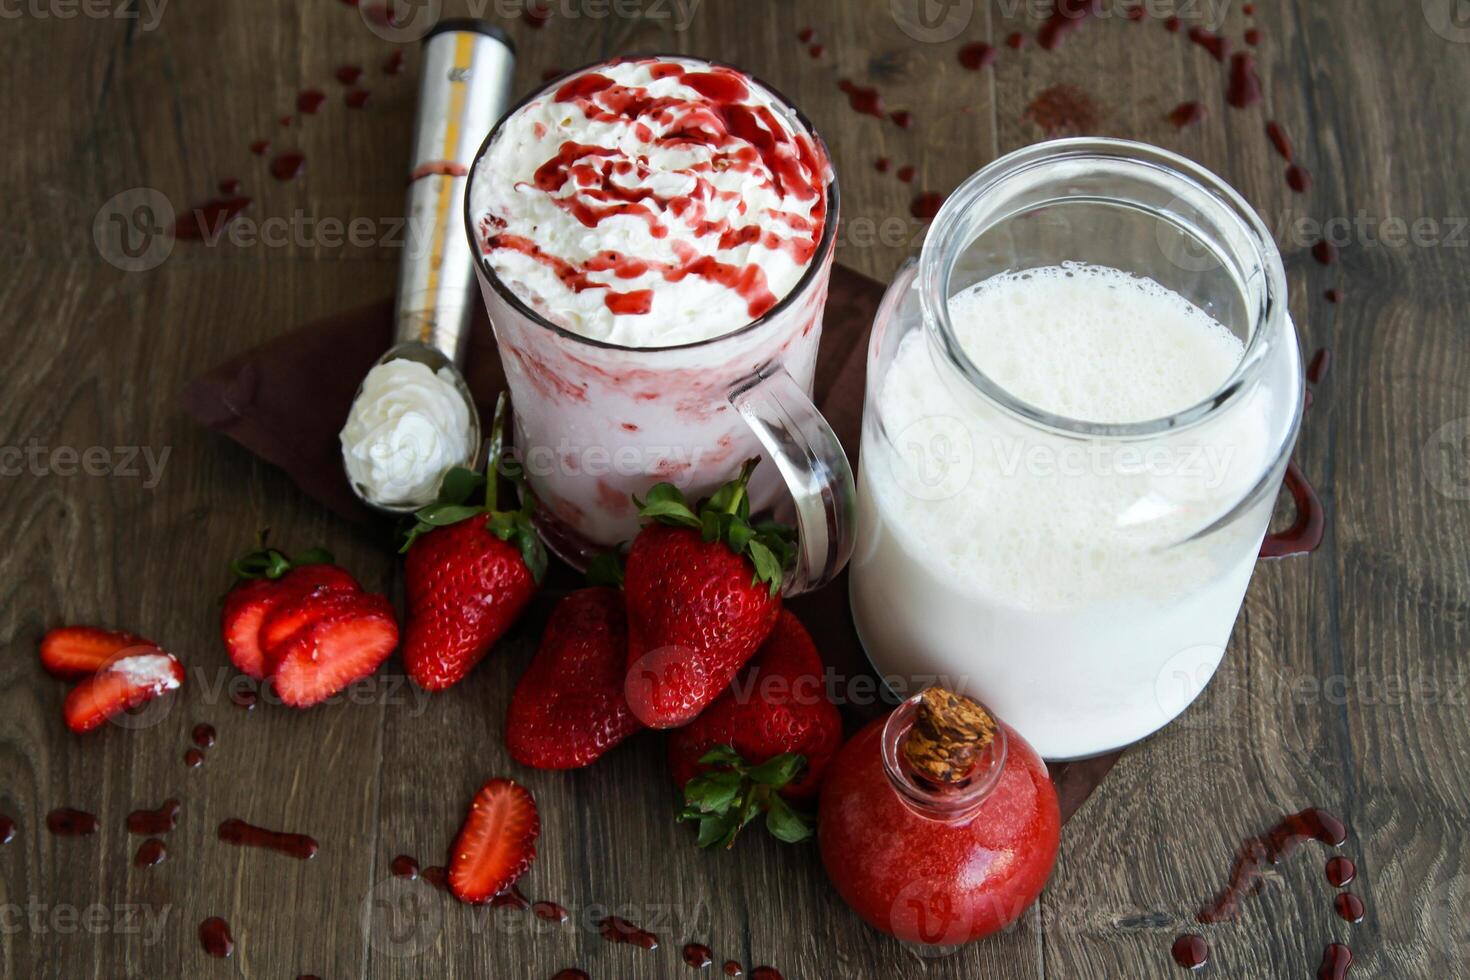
(1083, 578)
(597, 423)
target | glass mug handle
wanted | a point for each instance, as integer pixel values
(806, 451)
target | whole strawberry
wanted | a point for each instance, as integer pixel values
(766, 740)
(469, 573)
(569, 708)
(703, 590)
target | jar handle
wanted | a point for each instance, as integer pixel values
(810, 458)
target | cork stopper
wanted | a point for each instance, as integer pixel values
(950, 732)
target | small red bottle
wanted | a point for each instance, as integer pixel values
(937, 824)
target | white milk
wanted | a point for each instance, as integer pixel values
(1059, 578)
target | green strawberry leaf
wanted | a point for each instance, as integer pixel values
(606, 569)
(270, 563)
(729, 797)
(460, 485)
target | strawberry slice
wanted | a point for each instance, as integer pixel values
(496, 844)
(344, 646)
(80, 651)
(245, 609)
(122, 685)
(292, 615)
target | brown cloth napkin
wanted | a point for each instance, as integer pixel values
(286, 400)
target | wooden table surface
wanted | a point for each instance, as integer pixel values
(1346, 684)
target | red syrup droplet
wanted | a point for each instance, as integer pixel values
(154, 822)
(310, 100)
(1066, 17)
(572, 975)
(7, 829)
(619, 930)
(765, 973)
(1298, 178)
(1276, 133)
(976, 55)
(1015, 40)
(1187, 114)
(1137, 13)
(511, 898)
(926, 205)
(1337, 959)
(636, 303)
(806, 34)
(436, 875)
(1318, 367)
(1325, 252)
(816, 50)
(1245, 84)
(1063, 107)
(1253, 36)
(404, 866)
(1349, 907)
(906, 174)
(193, 758)
(1304, 536)
(862, 99)
(229, 185)
(1191, 952)
(1333, 296)
(214, 936)
(549, 912)
(536, 16)
(1249, 10)
(1272, 847)
(1217, 45)
(207, 220)
(357, 98)
(393, 64)
(239, 832)
(881, 165)
(288, 166)
(698, 956)
(903, 119)
(732, 969)
(349, 74)
(203, 735)
(285, 121)
(308, 976)
(1173, 25)
(66, 822)
(150, 854)
(245, 698)
(260, 147)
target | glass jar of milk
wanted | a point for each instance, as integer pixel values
(1081, 400)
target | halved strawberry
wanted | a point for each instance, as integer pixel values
(344, 646)
(245, 609)
(123, 684)
(497, 842)
(80, 651)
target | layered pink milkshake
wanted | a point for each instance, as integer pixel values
(656, 237)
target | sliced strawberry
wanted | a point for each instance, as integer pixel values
(344, 646)
(245, 609)
(80, 651)
(122, 685)
(293, 614)
(497, 842)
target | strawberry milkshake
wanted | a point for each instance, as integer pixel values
(656, 236)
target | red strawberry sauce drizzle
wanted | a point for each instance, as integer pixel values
(744, 138)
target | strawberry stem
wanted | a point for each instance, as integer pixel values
(738, 486)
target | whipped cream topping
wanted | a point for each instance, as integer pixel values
(652, 202)
(407, 427)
